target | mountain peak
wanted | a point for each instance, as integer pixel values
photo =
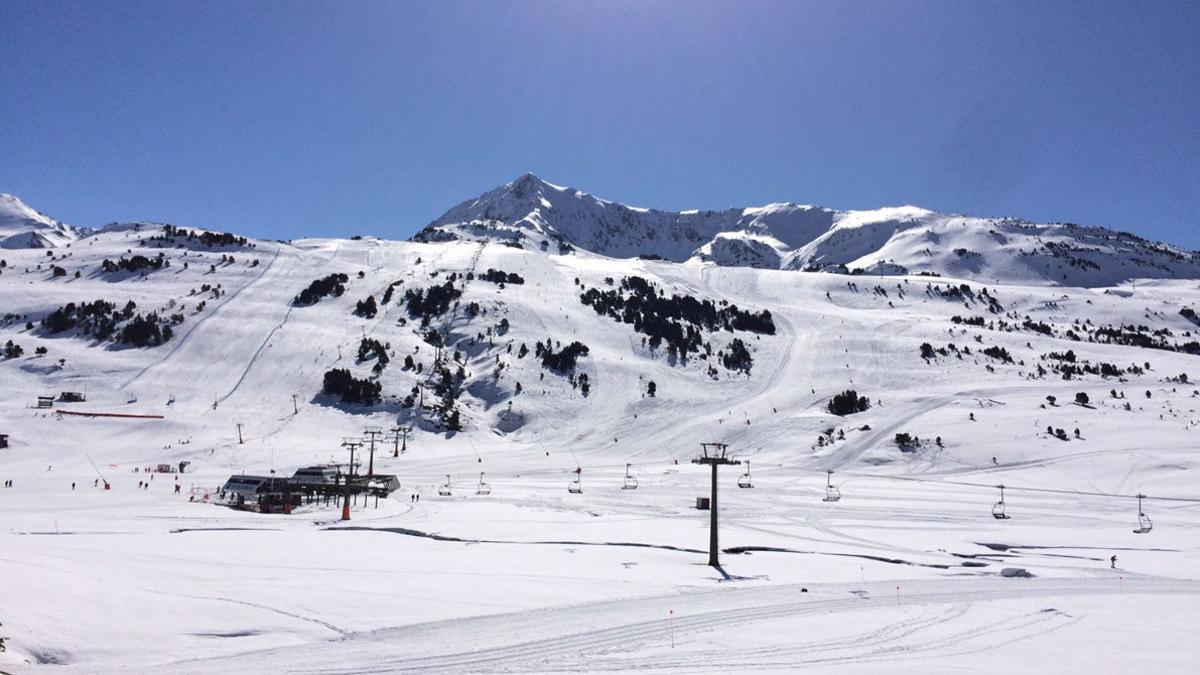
(22, 226)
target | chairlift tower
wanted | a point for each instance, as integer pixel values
(399, 438)
(352, 443)
(713, 454)
(370, 434)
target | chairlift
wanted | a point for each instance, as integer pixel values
(744, 480)
(832, 494)
(1144, 524)
(998, 509)
(444, 490)
(484, 488)
(631, 482)
(576, 487)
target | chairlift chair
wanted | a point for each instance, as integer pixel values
(631, 482)
(484, 488)
(1144, 524)
(444, 490)
(576, 487)
(832, 494)
(744, 480)
(998, 509)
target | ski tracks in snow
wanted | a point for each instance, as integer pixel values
(199, 323)
(553, 639)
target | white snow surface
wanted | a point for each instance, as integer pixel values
(901, 575)
(797, 236)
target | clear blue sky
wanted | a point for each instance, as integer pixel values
(290, 119)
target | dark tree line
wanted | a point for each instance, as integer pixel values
(848, 402)
(501, 277)
(563, 361)
(134, 264)
(434, 301)
(737, 357)
(367, 309)
(447, 386)
(339, 382)
(12, 350)
(101, 319)
(370, 348)
(676, 320)
(387, 294)
(334, 284)
(170, 233)
(145, 331)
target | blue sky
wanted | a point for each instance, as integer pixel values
(290, 119)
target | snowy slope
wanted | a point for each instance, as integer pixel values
(795, 236)
(902, 574)
(23, 227)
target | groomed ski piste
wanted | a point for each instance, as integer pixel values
(902, 574)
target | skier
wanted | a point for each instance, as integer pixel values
(1113, 561)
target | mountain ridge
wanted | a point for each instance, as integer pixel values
(791, 236)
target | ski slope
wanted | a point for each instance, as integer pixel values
(902, 574)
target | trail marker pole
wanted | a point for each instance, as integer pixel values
(239, 426)
(671, 615)
(713, 454)
(295, 407)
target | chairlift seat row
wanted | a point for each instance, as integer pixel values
(832, 494)
(745, 481)
(1144, 523)
(998, 508)
(630, 483)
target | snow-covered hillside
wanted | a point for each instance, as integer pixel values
(531, 211)
(23, 227)
(1076, 399)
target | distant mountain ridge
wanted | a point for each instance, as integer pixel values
(533, 213)
(905, 239)
(23, 227)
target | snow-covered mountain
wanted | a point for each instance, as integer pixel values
(532, 212)
(242, 356)
(23, 227)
